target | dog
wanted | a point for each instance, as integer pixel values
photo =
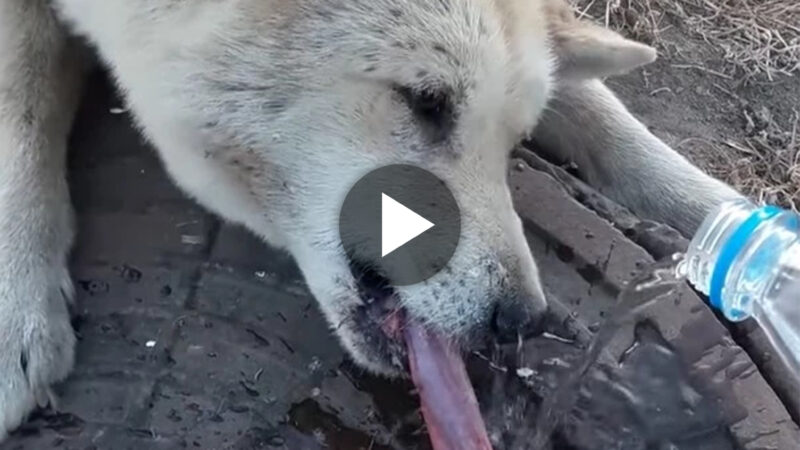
(267, 111)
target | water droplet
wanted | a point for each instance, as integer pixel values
(315, 364)
(525, 372)
(682, 269)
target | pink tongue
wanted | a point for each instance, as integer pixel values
(449, 405)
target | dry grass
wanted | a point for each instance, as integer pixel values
(766, 165)
(758, 38)
(642, 20)
(759, 41)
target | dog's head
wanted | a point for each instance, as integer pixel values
(310, 95)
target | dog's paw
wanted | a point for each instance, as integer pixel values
(37, 343)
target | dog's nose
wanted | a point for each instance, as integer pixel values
(518, 317)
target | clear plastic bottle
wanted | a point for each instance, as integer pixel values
(747, 260)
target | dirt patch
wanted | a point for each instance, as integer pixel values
(725, 90)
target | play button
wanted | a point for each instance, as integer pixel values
(401, 221)
(399, 225)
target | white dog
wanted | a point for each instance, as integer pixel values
(268, 111)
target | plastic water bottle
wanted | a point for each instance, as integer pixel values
(747, 260)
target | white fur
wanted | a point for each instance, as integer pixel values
(267, 111)
(38, 94)
(336, 128)
(586, 124)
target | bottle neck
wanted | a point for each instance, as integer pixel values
(709, 240)
(735, 253)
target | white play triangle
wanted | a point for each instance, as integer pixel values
(399, 225)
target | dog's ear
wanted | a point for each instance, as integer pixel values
(584, 50)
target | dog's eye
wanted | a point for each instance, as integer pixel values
(426, 105)
(432, 108)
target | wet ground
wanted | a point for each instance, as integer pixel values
(195, 335)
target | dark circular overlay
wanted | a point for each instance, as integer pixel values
(360, 223)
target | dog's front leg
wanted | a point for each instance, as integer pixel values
(38, 95)
(616, 153)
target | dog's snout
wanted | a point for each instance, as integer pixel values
(518, 317)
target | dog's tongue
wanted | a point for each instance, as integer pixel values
(448, 402)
